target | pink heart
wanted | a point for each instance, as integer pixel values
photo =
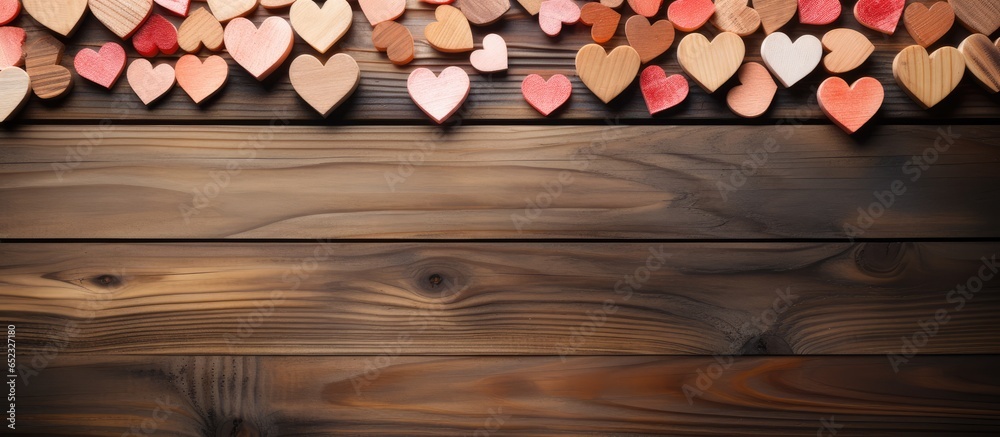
(818, 12)
(492, 57)
(178, 7)
(9, 9)
(11, 46)
(662, 92)
(552, 14)
(103, 67)
(544, 96)
(262, 50)
(439, 96)
(850, 107)
(880, 15)
(149, 83)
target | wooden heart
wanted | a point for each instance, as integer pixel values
(42, 59)
(102, 67)
(546, 96)
(483, 12)
(788, 61)
(451, 32)
(734, 16)
(325, 87)
(156, 35)
(198, 29)
(649, 40)
(775, 13)
(259, 51)
(15, 88)
(439, 96)
(9, 10)
(612, 3)
(201, 80)
(176, 7)
(662, 92)
(532, 6)
(378, 11)
(149, 83)
(604, 21)
(607, 74)
(276, 4)
(395, 40)
(554, 13)
(11, 46)
(321, 27)
(982, 57)
(225, 10)
(880, 15)
(927, 25)
(818, 12)
(646, 8)
(928, 79)
(690, 15)
(850, 107)
(980, 16)
(59, 16)
(492, 57)
(122, 17)
(754, 94)
(711, 64)
(848, 50)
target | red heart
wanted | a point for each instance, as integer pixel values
(662, 92)
(880, 15)
(850, 107)
(103, 67)
(179, 7)
(689, 15)
(11, 43)
(544, 96)
(818, 12)
(9, 10)
(156, 35)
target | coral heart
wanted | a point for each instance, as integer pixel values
(649, 40)
(790, 62)
(9, 9)
(735, 16)
(928, 79)
(607, 74)
(225, 10)
(484, 12)
(754, 94)
(102, 67)
(451, 32)
(395, 40)
(554, 13)
(546, 96)
(201, 80)
(325, 87)
(850, 107)
(775, 13)
(176, 7)
(60, 16)
(711, 64)
(662, 92)
(818, 12)
(149, 83)
(378, 11)
(200, 28)
(321, 27)
(603, 19)
(438, 96)
(492, 57)
(690, 15)
(15, 88)
(646, 8)
(982, 57)
(11, 44)
(123, 17)
(981, 16)
(927, 25)
(156, 35)
(848, 50)
(259, 51)
(880, 15)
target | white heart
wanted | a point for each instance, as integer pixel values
(790, 62)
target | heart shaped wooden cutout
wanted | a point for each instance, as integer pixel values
(928, 79)
(395, 40)
(451, 32)
(607, 74)
(982, 57)
(156, 35)
(176, 7)
(546, 96)
(775, 13)
(102, 67)
(791, 62)
(649, 40)
(276, 4)
(880, 15)
(980, 16)
(325, 87)
(492, 57)
(604, 21)
(483, 12)
(201, 28)
(554, 13)
(439, 96)
(321, 27)
(42, 59)
(378, 11)
(646, 8)
(149, 83)
(59, 16)
(225, 10)
(850, 107)
(848, 50)
(11, 46)
(612, 3)
(662, 92)
(754, 94)
(9, 10)
(532, 6)
(201, 80)
(927, 25)
(15, 88)
(711, 64)
(259, 51)
(819, 12)
(736, 17)
(690, 15)
(122, 17)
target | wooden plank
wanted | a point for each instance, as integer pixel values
(382, 94)
(498, 182)
(406, 396)
(502, 298)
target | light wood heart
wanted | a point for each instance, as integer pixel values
(225, 10)
(276, 4)
(451, 32)
(775, 13)
(607, 74)
(646, 8)
(492, 57)
(395, 40)
(149, 83)
(928, 79)
(321, 27)
(980, 16)
(649, 40)
(11, 46)
(982, 57)
(736, 17)
(259, 51)
(754, 94)
(788, 61)
(59, 16)
(927, 25)
(378, 11)
(612, 3)
(325, 87)
(711, 64)
(122, 17)
(850, 107)
(15, 88)
(201, 80)
(532, 6)
(483, 12)
(201, 28)
(42, 59)
(439, 96)
(848, 50)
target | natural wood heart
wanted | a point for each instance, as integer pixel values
(646, 8)
(850, 107)
(198, 29)
(201, 80)
(451, 32)
(439, 96)
(928, 79)
(259, 51)
(819, 12)
(711, 64)
(788, 61)
(532, 6)
(554, 13)
(395, 40)
(546, 96)
(321, 27)
(102, 67)
(604, 21)
(15, 88)
(42, 59)
(981, 16)
(122, 17)
(325, 87)
(662, 92)
(982, 57)
(775, 13)
(880, 15)
(9, 10)
(225, 10)
(734, 16)
(149, 83)
(607, 74)
(156, 35)
(176, 7)
(11, 46)
(276, 4)
(492, 57)
(690, 15)
(60, 16)
(483, 12)
(378, 11)
(848, 50)
(927, 25)
(754, 94)
(612, 3)
(649, 40)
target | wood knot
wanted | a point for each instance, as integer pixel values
(439, 282)
(766, 344)
(107, 281)
(880, 259)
